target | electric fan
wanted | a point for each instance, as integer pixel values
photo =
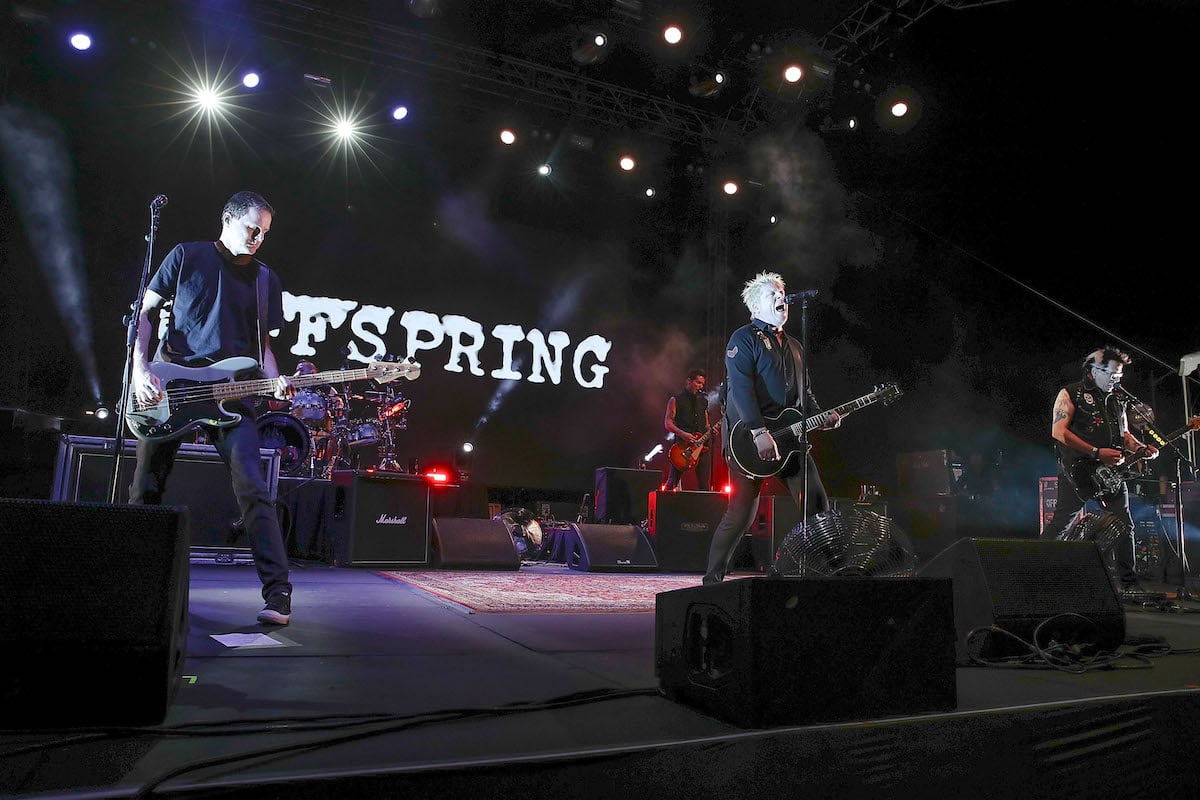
(846, 543)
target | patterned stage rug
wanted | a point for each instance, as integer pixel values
(546, 592)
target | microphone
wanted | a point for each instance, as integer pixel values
(794, 296)
(158, 202)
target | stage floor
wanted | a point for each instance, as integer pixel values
(417, 694)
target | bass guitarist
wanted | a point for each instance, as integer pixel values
(687, 419)
(223, 303)
(1091, 432)
(765, 373)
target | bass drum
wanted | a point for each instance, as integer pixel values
(283, 432)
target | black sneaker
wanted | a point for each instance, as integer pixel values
(278, 609)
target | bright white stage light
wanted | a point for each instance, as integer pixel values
(80, 41)
(251, 80)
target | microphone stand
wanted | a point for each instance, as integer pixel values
(131, 324)
(802, 385)
(1182, 592)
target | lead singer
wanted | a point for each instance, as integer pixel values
(765, 373)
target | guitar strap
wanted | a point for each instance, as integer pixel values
(261, 284)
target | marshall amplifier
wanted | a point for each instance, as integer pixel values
(199, 480)
(380, 519)
(681, 526)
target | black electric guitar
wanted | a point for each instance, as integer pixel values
(684, 457)
(1093, 479)
(194, 396)
(787, 428)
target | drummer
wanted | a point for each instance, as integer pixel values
(319, 407)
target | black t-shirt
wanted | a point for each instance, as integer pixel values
(214, 309)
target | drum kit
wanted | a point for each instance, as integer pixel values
(328, 428)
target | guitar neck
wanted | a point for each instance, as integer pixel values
(261, 386)
(842, 410)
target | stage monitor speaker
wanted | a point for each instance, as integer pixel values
(460, 543)
(681, 526)
(794, 651)
(622, 496)
(1048, 590)
(199, 480)
(93, 612)
(380, 519)
(608, 548)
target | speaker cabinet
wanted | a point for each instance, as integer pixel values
(622, 495)
(758, 652)
(1019, 584)
(380, 519)
(199, 480)
(460, 543)
(681, 526)
(608, 548)
(93, 612)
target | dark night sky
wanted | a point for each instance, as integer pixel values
(1036, 210)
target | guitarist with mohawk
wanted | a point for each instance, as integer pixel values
(223, 303)
(1091, 433)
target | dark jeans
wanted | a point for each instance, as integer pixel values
(703, 473)
(1068, 504)
(743, 505)
(239, 449)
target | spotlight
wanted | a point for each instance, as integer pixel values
(793, 73)
(650, 191)
(627, 163)
(467, 447)
(251, 80)
(399, 112)
(899, 109)
(730, 187)
(658, 448)
(507, 136)
(80, 41)
(591, 46)
(672, 34)
(544, 169)
(101, 411)
(706, 82)
(345, 129)
(773, 219)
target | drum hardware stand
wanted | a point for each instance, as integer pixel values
(387, 453)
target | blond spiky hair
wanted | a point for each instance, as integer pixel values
(755, 286)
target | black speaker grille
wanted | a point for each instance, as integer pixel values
(1040, 579)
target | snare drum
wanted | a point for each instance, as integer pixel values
(311, 408)
(279, 431)
(362, 433)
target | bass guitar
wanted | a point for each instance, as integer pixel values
(195, 396)
(1092, 479)
(684, 457)
(787, 428)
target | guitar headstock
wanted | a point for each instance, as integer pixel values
(387, 371)
(886, 393)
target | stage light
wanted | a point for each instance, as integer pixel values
(208, 99)
(80, 41)
(437, 475)
(650, 191)
(101, 411)
(728, 488)
(730, 187)
(672, 34)
(399, 112)
(793, 73)
(706, 82)
(251, 80)
(773, 219)
(467, 447)
(591, 45)
(899, 109)
(658, 448)
(627, 163)
(507, 136)
(544, 169)
(345, 129)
